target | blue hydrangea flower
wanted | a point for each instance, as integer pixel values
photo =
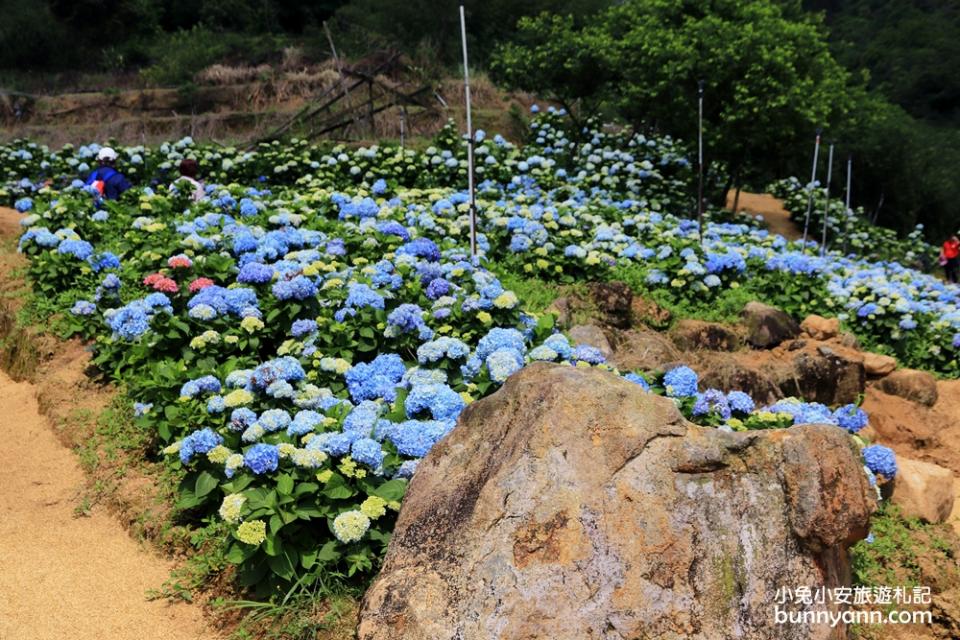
(638, 379)
(83, 308)
(415, 438)
(443, 347)
(559, 343)
(334, 444)
(588, 354)
(255, 273)
(407, 318)
(681, 382)
(393, 228)
(203, 384)
(301, 328)
(285, 368)
(304, 422)
(712, 400)
(297, 288)
(362, 418)
(274, 420)
(80, 249)
(215, 405)
(851, 417)
(141, 408)
(201, 441)
(241, 418)
(881, 460)
(438, 288)
(740, 402)
(261, 458)
(503, 363)
(376, 379)
(129, 322)
(420, 248)
(499, 338)
(442, 402)
(367, 451)
(407, 469)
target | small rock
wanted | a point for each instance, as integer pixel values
(614, 302)
(831, 375)
(592, 335)
(899, 423)
(561, 308)
(877, 365)
(945, 608)
(848, 340)
(643, 349)
(729, 372)
(820, 328)
(650, 313)
(923, 490)
(693, 335)
(768, 326)
(916, 386)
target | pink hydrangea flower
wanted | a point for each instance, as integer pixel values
(180, 262)
(160, 282)
(200, 283)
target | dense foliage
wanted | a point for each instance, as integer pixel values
(903, 124)
(908, 47)
(295, 347)
(769, 79)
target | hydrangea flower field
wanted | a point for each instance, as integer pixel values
(302, 336)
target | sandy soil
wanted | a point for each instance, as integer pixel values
(63, 576)
(771, 209)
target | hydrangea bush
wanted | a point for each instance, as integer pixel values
(299, 345)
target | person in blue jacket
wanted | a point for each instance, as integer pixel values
(109, 182)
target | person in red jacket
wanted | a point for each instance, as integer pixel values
(950, 258)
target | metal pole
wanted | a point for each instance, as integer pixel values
(466, 89)
(700, 159)
(846, 229)
(826, 206)
(813, 178)
(402, 118)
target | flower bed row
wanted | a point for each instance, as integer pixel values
(296, 350)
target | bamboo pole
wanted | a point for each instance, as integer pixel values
(470, 185)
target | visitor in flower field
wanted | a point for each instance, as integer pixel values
(950, 258)
(105, 179)
(188, 179)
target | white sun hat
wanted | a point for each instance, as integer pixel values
(108, 154)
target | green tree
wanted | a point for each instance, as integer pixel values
(553, 57)
(769, 79)
(434, 25)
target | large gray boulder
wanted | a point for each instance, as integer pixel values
(573, 505)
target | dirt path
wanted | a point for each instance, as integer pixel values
(63, 576)
(771, 209)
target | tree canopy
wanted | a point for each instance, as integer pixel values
(769, 80)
